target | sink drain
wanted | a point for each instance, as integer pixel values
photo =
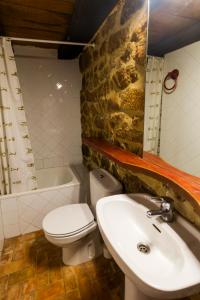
(144, 248)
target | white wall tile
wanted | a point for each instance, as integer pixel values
(11, 230)
(39, 164)
(51, 162)
(8, 204)
(30, 207)
(53, 114)
(10, 217)
(180, 126)
(27, 228)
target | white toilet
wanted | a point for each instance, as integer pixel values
(73, 227)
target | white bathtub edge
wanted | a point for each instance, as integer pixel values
(75, 181)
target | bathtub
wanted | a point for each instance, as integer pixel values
(54, 177)
(23, 212)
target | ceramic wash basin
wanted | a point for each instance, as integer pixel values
(160, 260)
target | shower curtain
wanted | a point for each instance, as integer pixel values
(17, 171)
(153, 97)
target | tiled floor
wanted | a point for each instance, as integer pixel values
(31, 269)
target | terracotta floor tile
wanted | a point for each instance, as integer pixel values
(19, 252)
(42, 280)
(86, 289)
(13, 293)
(55, 255)
(29, 236)
(9, 244)
(31, 296)
(3, 286)
(70, 279)
(18, 255)
(32, 269)
(74, 295)
(6, 257)
(29, 286)
(42, 262)
(53, 291)
(12, 267)
(20, 276)
(58, 297)
(113, 281)
(29, 257)
(39, 233)
(99, 268)
(19, 244)
(101, 290)
(55, 273)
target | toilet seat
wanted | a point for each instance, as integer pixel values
(63, 241)
(74, 233)
(68, 221)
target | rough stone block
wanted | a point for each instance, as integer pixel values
(124, 76)
(117, 39)
(130, 7)
(132, 100)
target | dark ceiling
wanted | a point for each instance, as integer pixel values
(88, 15)
(74, 20)
(173, 23)
(40, 19)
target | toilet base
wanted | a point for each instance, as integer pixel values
(82, 250)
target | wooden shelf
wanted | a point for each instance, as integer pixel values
(151, 165)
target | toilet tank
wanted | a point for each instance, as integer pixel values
(102, 184)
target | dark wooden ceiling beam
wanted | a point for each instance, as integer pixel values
(33, 24)
(55, 6)
(34, 14)
(36, 19)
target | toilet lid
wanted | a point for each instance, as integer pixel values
(68, 219)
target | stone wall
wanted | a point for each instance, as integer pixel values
(112, 96)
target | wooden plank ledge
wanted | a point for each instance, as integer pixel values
(150, 165)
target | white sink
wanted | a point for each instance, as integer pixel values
(171, 268)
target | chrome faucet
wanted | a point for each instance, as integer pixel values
(166, 211)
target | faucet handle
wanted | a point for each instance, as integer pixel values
(156, 199)
(166, 210)
(162, 199)
(166, 203)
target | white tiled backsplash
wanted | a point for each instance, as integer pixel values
(180, 126)
(51, 93)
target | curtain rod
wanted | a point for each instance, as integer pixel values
(47, 41)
